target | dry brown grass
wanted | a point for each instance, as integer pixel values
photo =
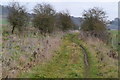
(18, 51)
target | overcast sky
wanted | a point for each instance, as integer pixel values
(75, 7)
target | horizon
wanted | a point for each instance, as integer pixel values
(76, 8)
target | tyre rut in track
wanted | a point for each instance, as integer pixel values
(86, 62)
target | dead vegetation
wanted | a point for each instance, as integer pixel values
(20, 53)
(104, 54)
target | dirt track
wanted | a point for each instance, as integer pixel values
(86, 63)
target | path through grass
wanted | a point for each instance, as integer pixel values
(68, 62)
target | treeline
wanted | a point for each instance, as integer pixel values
(45, 18)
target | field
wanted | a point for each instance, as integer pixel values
(114, 41)
(69, 62)
(40, 42)
(59, 55)
(3, 21)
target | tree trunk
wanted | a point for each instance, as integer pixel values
(13, 29)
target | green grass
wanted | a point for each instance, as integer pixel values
(114, 32)
(3, 21)
(114, 41)
(96, 69)
(93, 69)
(67, 63)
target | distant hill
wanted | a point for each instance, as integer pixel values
(4, 10)
(114, 24)
(77, 21)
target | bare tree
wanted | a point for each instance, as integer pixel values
(17, 16)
